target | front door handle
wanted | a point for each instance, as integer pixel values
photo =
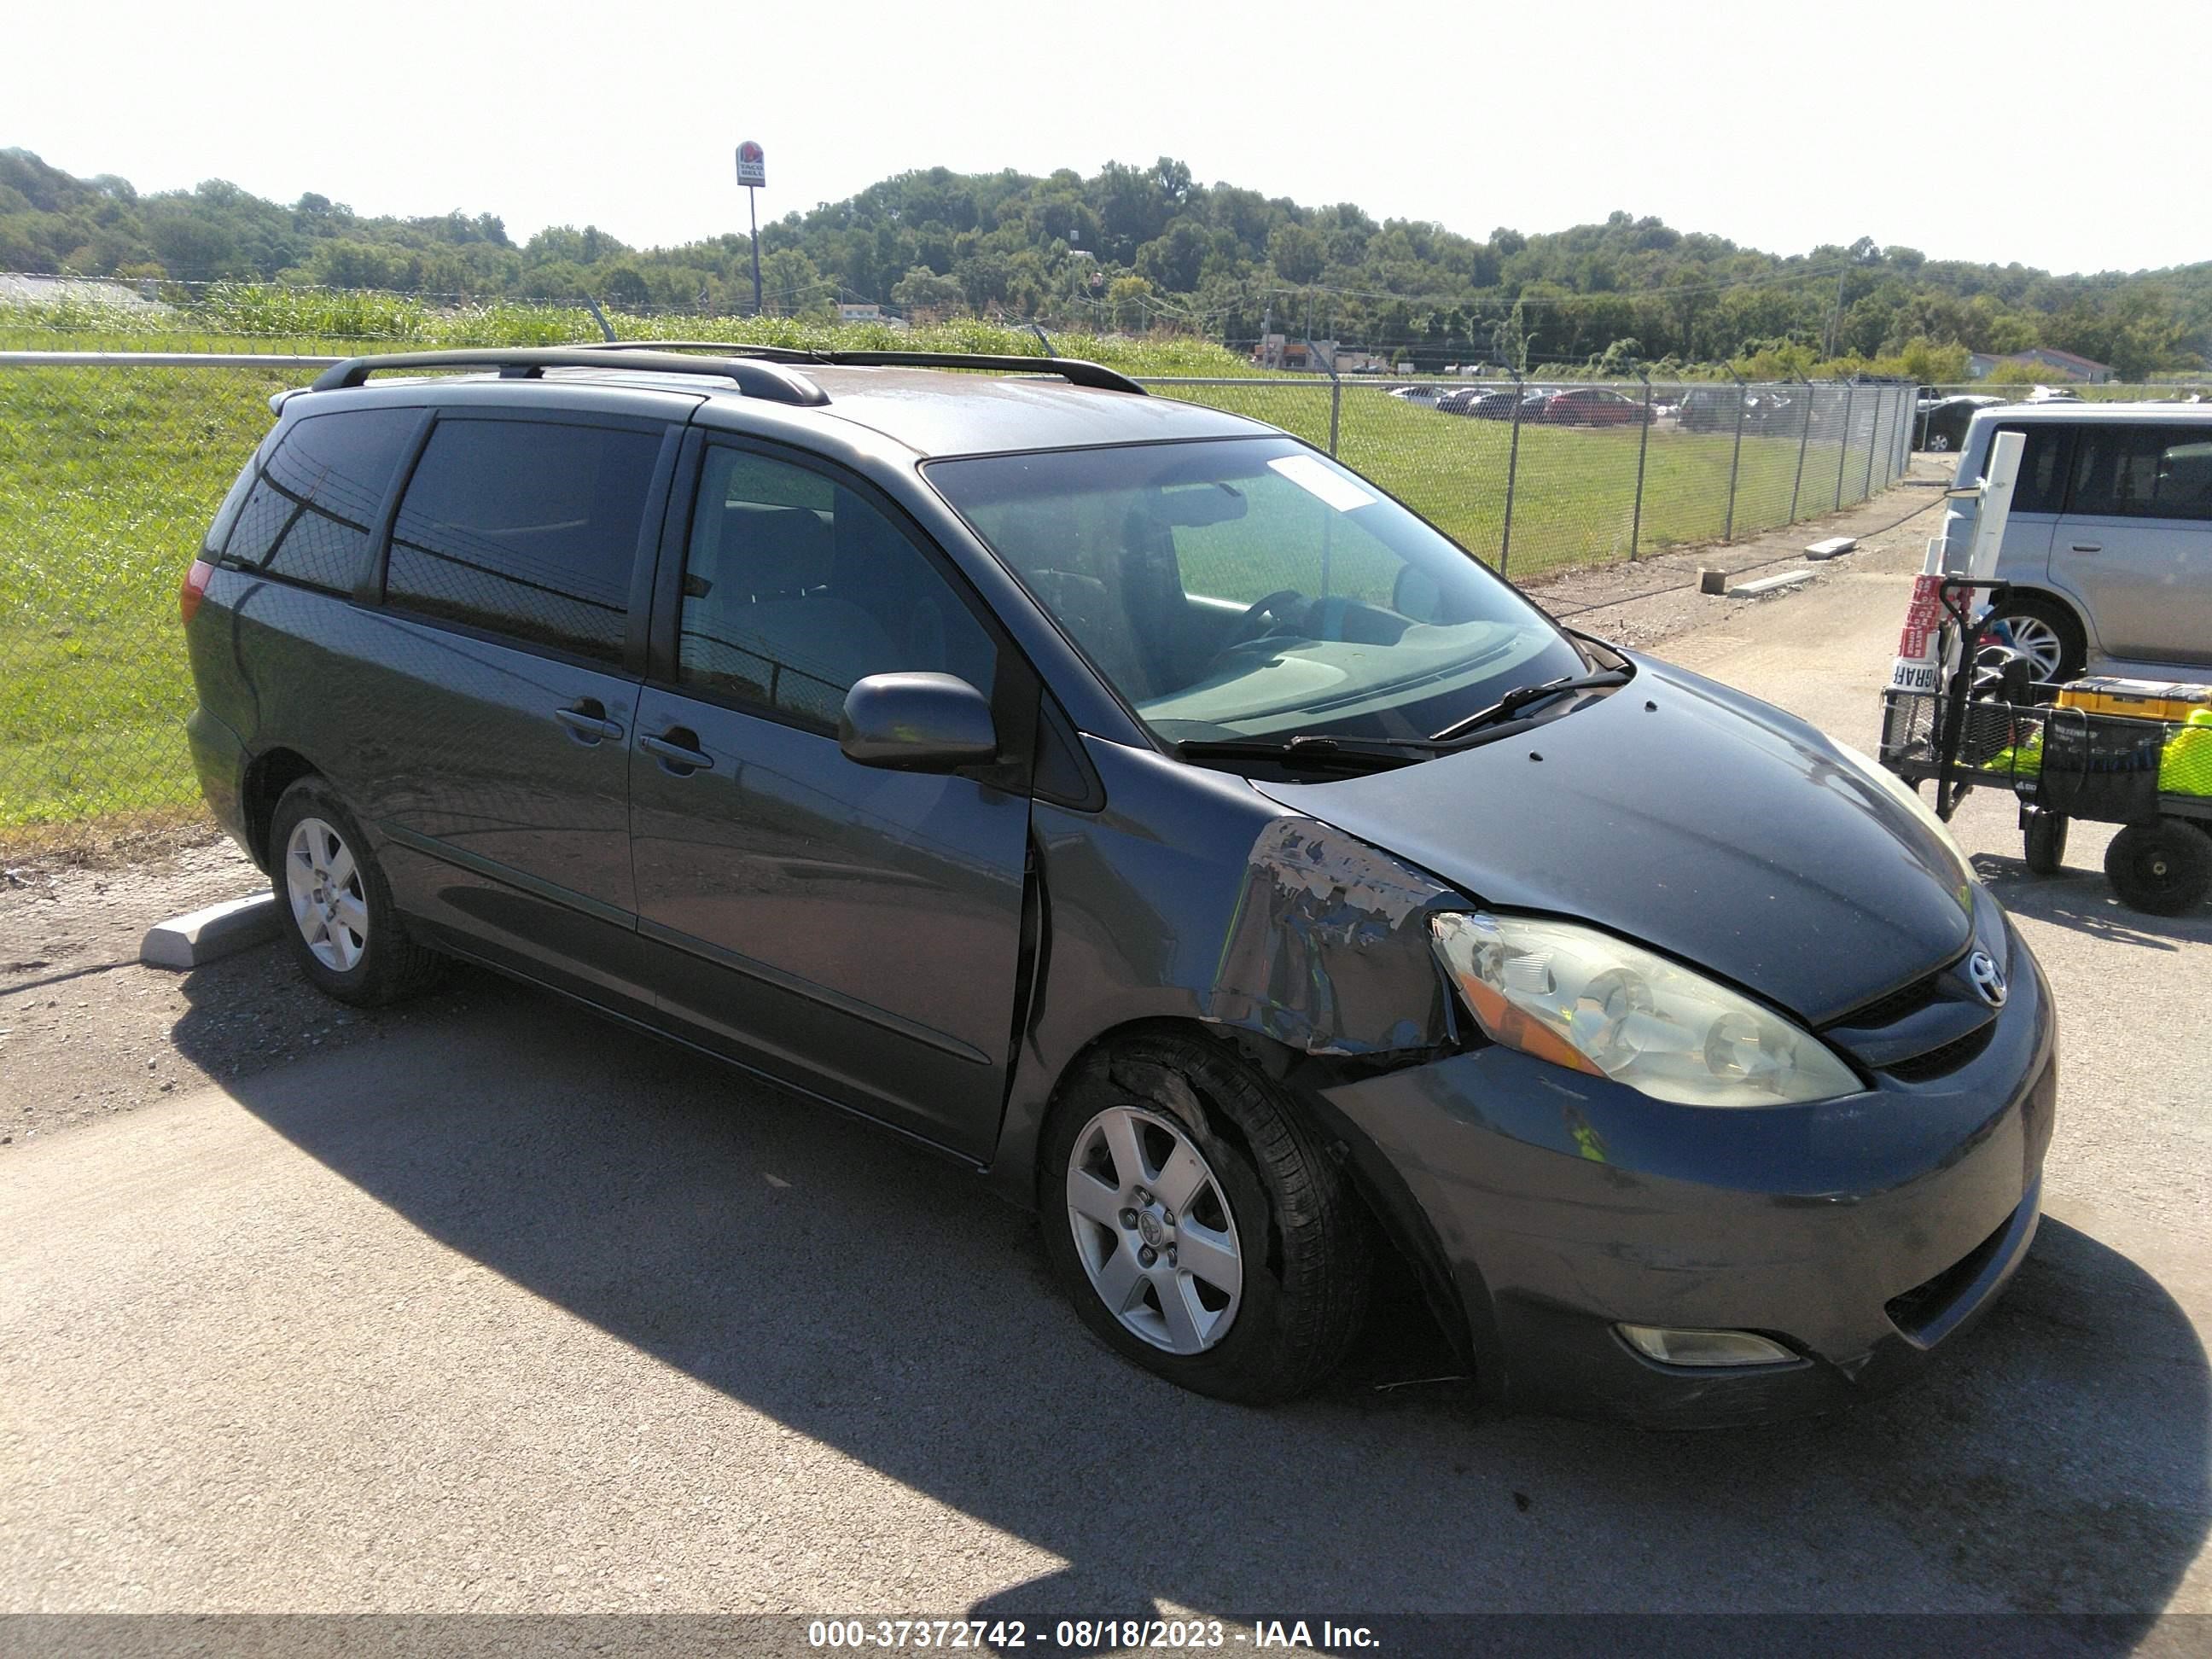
(678, 750)
(587, 722)
(2088, 547)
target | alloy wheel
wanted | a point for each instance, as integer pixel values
(329, 906)
(1153, 1230)
(2038, 642)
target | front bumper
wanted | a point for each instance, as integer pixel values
(1862, 1232)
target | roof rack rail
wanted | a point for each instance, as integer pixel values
(1076, 371)
(755, 377)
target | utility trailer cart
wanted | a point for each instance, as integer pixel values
(2151, 776)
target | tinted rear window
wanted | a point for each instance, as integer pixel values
(2042, 484)
(2144, 471)
(526, 528)
(308, 515)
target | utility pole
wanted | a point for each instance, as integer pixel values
(752, 174)
(1836, 321)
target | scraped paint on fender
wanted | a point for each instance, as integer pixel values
(1329, 949)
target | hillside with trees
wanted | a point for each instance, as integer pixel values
(1143, 249)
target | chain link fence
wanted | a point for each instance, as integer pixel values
(110, 471)
(1537, 477)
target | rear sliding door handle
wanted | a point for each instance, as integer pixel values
(2087, 547)
(675, 749)
(587, 722)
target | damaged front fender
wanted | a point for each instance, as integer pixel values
(1328, 950)
(1191, 897)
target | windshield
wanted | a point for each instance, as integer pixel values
(1251, 589)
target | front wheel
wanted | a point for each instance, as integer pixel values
(1199, 1225)
(346, 933)
(2161, 868)
(2045, 833)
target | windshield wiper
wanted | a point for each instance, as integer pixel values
(1524, 696)
(1313, 748)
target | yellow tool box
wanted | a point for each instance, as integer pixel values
(2143, 700)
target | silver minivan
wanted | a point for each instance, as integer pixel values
(2108, 550)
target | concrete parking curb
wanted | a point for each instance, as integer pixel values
(1752, 590)
(219, 930)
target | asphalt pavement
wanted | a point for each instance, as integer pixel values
(517, 1310)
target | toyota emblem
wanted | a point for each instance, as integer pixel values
(1989, 979)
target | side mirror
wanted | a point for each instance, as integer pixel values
(917, 722)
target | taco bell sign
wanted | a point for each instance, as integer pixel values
(752, 166)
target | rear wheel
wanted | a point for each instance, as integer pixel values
(2161, 868)
(346, 933)
(1199, 1225)
(2046, 633)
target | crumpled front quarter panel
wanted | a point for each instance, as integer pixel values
(1193, 896)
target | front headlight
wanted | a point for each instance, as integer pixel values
(1589, 1002)
(1882, 778)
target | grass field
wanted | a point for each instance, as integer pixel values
(109, 476)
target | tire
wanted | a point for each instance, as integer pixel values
(2059, 647)
(2044, 832)
(2162, 868)
(339, 921)
(1939, 443)
(1263, 1181)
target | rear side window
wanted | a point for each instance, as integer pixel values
(2042, 484)
(2144, 472)
(308, 513)
(526, 528)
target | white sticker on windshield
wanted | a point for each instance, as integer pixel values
(1310, 476)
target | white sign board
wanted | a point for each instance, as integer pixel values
(752, 166)
(1920, 665)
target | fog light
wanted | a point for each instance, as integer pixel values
(1704, 1348)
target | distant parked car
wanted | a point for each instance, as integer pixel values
(1943, 421)
(1497, 406)
(2053, 394)
(1594, 405)
(1712, 408)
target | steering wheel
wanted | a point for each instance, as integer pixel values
(1246, 628)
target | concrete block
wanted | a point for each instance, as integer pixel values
(1712, 581)
(219, 930)
(1774, 584)
(1834, 547)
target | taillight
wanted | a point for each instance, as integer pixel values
(193, 589)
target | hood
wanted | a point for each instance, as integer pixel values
(1689, 818)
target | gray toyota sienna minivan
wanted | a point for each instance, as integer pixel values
(1128, 801)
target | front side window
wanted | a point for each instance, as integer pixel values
(795, 586)
(2143, 472)
(306, 517)
(526, 528)
(1252, 588)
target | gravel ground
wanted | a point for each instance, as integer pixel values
(85, 1032)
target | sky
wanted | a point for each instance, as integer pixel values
(2032, 133)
